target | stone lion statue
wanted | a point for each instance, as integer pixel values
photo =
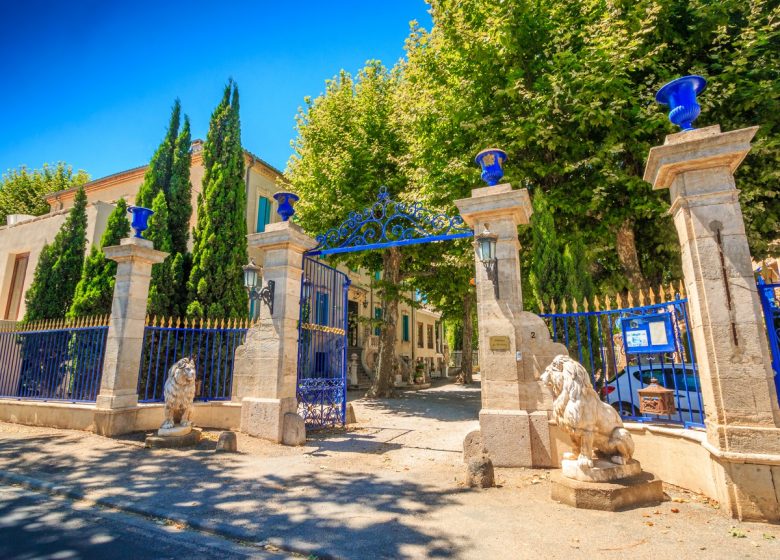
(179, 394)
(592, 424)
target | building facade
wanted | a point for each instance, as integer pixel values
(420, 334)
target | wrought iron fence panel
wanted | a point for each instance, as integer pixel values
(211, 344)
(595, 339)
(53, 360)
(769, 294)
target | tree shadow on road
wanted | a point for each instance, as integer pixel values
(451, 405)
(330, 513)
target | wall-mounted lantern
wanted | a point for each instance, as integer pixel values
(286, 202)
(491, 160)
(655, 399)
(140, 219)
(680, 96)
(253, 283)
(486, 251)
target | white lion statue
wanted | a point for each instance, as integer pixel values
(179, 394)
(592, 424)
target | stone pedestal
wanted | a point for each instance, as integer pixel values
(514, 345)
(738, 391)
(174, 441)
(265, 372)
(117, 401)
(640, 490)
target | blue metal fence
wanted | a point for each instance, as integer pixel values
(53, 360)
(212, 344)
(595, 338)
(769, 295)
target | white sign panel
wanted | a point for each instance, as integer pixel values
(658, 333)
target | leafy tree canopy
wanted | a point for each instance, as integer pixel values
(22, 190)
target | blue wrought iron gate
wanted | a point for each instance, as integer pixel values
(322, 345)
(770, 303)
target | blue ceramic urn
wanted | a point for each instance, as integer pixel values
(286, 201)
(140, 220)
(491, 160)
(680, 96)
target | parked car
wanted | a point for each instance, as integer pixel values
(622, 392)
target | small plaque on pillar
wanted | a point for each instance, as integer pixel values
(499, 343)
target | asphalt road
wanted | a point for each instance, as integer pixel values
(35, 525)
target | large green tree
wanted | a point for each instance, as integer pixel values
(59, 267)
(220, 249)
(95, 290)
(347, 148)
(22, 190)
(566, 88)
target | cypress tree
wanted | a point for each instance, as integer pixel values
(162, 291)
(95, 291)
(59, 267)
(158, 175)
(179, 196)
(169, 175)
(548, 268)
(220, 250)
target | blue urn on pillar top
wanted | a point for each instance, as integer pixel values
(680, 96)
(491, 160)
(140, 220)
(286, 201)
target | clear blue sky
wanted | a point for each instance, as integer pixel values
(91, 82)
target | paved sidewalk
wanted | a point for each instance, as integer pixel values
(389, 488)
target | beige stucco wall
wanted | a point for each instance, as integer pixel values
(30, 237)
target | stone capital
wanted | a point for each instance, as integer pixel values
(697, 150)
(497, 202)
(135, 249)
(282, 235)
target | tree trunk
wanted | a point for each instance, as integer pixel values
(627, 255)
(466, 372)
(383, 382)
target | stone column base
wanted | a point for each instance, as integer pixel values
(118, 400)
(748, 484)
(515, 438)
(273, 419)
(110, 423)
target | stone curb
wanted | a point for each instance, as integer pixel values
(216, 528)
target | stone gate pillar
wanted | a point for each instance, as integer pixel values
(514, 345)
(264, 378)
(738, 391)
(117, 401)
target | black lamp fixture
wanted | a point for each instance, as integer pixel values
(486, 251)
(253, 277)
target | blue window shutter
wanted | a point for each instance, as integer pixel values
(406, 328)
(377, 315)
(263, 213)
